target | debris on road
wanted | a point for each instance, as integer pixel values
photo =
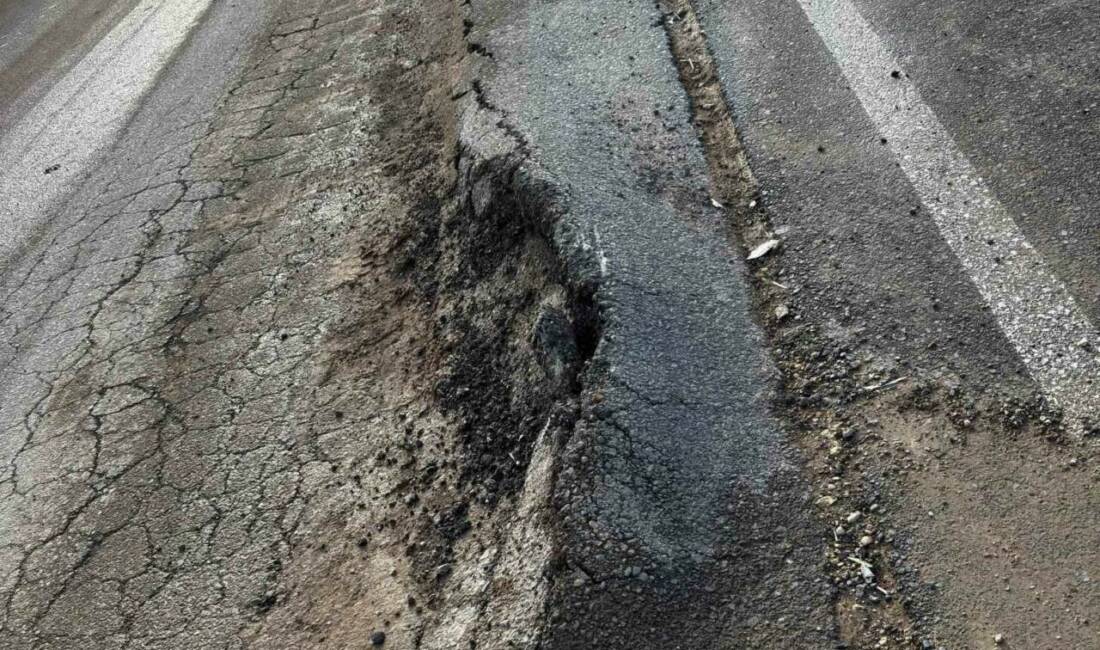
(865, 569)
(763, 249)
(893, 382)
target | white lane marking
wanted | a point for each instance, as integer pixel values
(1037, 313)
(84, 112)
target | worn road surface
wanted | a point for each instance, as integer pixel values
(362, 323)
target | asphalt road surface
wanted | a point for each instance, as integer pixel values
(926, 165)
(359, 323)
(948, 109)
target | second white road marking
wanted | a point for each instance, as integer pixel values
(1050, 332)
(84, 113)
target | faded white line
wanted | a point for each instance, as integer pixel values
(1037, 313)
(84, 113)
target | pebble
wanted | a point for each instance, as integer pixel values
(854, 517)
(865, 540)
(378, 638)
(998, 639)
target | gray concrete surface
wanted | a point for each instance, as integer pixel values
(885, 136)
(1038, 315)
(1025, 116)
(847, 214)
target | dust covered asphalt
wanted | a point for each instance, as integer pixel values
(360, 323)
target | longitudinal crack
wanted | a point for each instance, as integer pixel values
(733, 184)
(732, 181)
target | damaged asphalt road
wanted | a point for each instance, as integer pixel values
(675, 465)
(361, 323)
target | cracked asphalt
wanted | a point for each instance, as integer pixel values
(152, 374)
(253, 355)
(361, 323)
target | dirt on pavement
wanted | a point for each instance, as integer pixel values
(303, 413)
(323, 403)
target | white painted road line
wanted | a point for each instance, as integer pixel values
(84, 113)
(1037, 313)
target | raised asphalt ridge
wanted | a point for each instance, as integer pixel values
(681, 455)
